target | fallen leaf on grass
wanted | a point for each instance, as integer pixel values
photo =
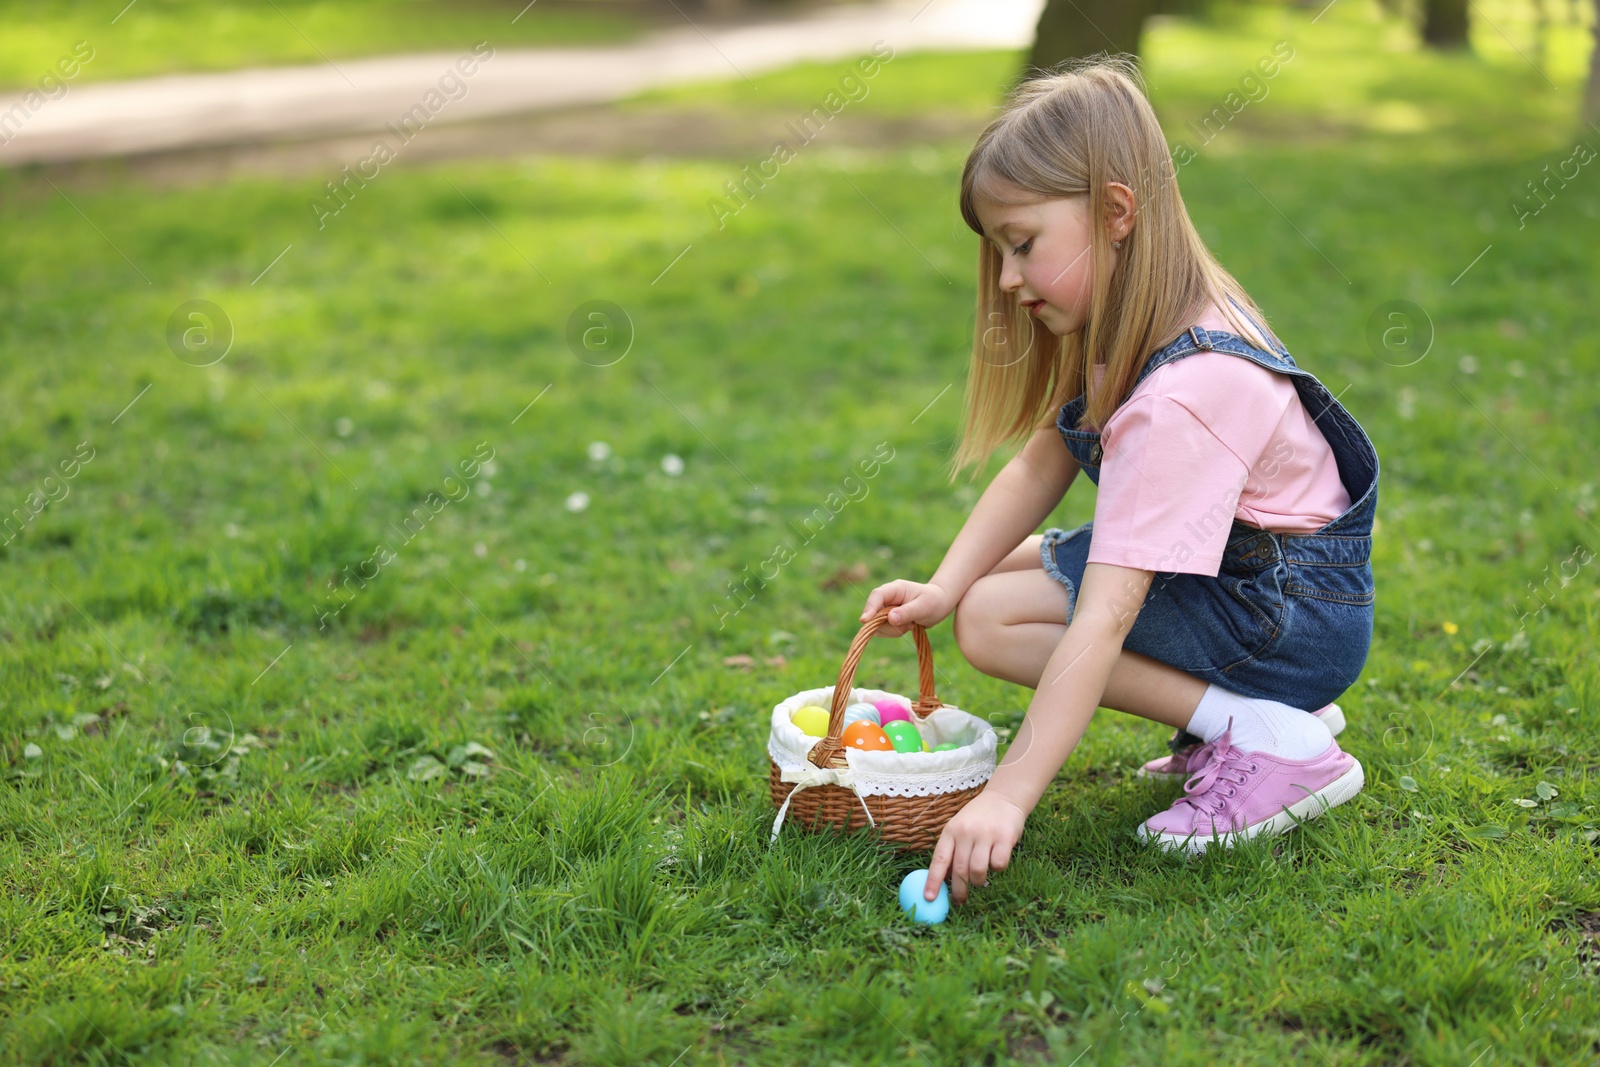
(425, 769)
(745, 663)
(465, 758)
(1484, 832)
(856, 572)
(461, 753)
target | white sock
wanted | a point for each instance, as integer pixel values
(1259, 725)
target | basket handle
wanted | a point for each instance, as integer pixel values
(830, 750)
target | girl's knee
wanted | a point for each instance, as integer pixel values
(972, 618)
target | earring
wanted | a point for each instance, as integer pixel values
(1116, 244)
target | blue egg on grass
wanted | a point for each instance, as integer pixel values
(923, 911)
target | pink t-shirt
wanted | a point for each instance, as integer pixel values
(1201, 441)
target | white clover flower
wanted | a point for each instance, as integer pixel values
(672, 464)
(578, 501)
(599, 451)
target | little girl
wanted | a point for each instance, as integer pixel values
(1224, 587)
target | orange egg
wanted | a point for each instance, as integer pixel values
(868, 737)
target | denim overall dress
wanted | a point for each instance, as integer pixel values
(1289, 616)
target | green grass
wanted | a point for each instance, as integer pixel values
(163, 36)
(228, 835)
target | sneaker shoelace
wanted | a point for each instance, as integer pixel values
(1222, 767)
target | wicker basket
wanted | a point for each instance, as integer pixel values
(907, 797)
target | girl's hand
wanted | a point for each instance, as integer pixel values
(908, 602)
(978, 839)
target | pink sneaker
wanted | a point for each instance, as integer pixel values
(1181, 764)
(1238, 795)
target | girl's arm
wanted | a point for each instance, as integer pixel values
(1022, 496)
(1074, 680)
(1019, 498)
(980, 837)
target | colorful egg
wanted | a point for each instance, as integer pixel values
(861, 713)
(948, 746)
(932, 911)
(867, 737)
(812, 720)
(891, 711)
(904, 736)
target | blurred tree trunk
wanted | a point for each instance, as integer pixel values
(1444, 23)
(1070, 29)
(1591, 99)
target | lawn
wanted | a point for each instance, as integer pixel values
(148, 37)
(392, 686)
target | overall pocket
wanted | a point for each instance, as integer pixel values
(1207, 626)
(1254, 573)
(1341, 583)
(1262, 594)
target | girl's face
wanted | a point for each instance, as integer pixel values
(1045, 251)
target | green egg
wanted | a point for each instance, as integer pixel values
(946, 747)
(904, 737)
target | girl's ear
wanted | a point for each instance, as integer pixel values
(1121, 208)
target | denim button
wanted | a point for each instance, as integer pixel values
(1095, 454)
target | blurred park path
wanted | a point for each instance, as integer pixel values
(349, 96)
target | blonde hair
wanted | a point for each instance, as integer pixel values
(1063, 134)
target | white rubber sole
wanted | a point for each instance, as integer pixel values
(1333, 719)
(1330, 796)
